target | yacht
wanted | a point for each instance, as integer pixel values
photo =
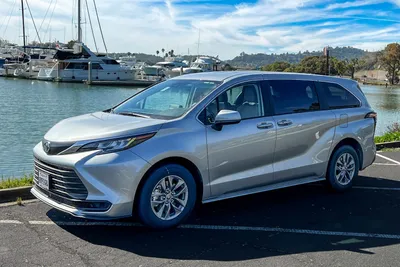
(201, 64)
(74, 67)
(38, 58)
(129, 61)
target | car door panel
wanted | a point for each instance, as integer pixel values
(240, 156)
(302, 148)
(304, 130)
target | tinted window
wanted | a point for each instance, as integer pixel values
(110, 61)
(245, 98)
(292, 96)
(338, 97)
(96, 66)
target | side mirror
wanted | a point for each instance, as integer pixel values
(226, 117)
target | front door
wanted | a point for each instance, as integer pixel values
(240, 156)
(304, 131)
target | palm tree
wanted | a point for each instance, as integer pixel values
(166, 54)
(163, 50)
(157, 52)
(172, 52)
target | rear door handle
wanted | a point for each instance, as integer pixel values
(284, 122)
(265, 125)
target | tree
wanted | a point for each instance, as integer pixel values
(166, 54)
(157, 52)
(352, 66)
(390, 60)
(163, 50)
(129, 54)
(340, 66)
(172, 52)
(71, 43)
(312, 64)
(276, 66)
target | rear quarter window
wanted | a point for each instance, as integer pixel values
(338, 97)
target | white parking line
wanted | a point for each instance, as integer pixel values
(217, 228)
(10, 222)
(386, 164)
(389, 159)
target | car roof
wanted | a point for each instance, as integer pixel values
(223, 76)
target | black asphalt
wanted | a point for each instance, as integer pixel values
(371, 207)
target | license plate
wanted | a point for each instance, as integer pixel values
(44, 180)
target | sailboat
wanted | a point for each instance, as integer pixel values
(75, 65)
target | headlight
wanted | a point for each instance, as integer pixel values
(114, 145)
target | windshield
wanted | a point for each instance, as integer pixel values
(169, 99)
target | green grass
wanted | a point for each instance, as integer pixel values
(388, 137)
(26, 180)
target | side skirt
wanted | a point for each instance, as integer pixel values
(265, 188)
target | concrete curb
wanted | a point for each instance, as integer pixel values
(395, 144)
(11, 195)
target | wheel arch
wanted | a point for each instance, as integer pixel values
(189, 165)
(353, 143)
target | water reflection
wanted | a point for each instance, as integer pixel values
(386, 101)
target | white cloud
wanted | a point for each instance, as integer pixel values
(226, 30)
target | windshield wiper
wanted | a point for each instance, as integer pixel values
(128, 113)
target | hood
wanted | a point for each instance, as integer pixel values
(100, 125)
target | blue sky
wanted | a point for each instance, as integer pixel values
(227, 27)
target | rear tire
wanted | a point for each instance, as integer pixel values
(167, 197)
(342, 168)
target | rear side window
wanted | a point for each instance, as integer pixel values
(292, 96)
(338, 97)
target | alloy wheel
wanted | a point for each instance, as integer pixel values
(345, 169)
(169, 197)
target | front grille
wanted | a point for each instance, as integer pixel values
(62, 181)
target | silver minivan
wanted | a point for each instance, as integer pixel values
(205, 137)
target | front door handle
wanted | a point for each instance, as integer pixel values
(265, 125)
(284, 122)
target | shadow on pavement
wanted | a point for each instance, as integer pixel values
(304, 207)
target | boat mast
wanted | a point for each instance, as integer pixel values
(79, 22)
(23, 24)
(198, 46)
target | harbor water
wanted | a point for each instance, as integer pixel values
(29, 108)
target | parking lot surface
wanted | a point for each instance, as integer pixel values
(300, 226)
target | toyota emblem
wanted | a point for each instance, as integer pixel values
(46, 146)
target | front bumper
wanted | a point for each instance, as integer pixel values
(110, 179)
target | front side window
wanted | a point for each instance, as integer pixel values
(293, 96)
(169, 99)
(338, 97)
(245, 98)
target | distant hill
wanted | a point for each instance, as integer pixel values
(258, 60)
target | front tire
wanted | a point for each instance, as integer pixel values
(167, 197)
(343, 168)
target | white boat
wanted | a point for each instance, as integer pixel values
(129, 61)
(37, 61)
(201, 64)
(75, 67)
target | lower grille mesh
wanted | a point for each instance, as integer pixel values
(62, 181)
